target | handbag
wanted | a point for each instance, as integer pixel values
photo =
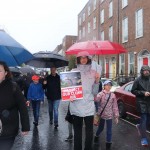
(69, 117)
(97, 116)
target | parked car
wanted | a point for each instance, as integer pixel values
(126, 100)
(114, 83)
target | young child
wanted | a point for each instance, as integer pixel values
(110, 111)
(36, 96)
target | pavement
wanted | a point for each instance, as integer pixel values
(45, 137)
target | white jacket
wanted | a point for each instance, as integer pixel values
(85, 107)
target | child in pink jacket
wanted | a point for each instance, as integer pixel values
(110, 112)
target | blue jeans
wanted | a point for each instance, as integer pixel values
(109, 129)
(144, 122)
(36, 110)
(53, 107)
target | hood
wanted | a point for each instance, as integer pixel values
(84, 54)
(144, 68)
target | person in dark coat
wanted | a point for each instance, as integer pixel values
(141, 89)
(12, 105)
(53, 93)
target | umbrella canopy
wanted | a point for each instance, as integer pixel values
(25, 70)
(47, 60)
(13, 53)
(96, 48)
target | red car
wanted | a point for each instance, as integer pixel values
(126, 100)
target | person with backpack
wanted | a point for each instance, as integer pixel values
(141, 89)
(107, 110)
(12, 105)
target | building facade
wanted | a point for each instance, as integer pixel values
(126, 22)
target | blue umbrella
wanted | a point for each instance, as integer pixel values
(13, 53)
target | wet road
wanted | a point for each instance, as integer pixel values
(45, 137)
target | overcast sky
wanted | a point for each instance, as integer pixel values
(40, 25)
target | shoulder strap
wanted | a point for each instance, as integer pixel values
(105, 104)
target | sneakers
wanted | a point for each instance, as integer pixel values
(69, 138)
(144, 142)
(138, 129)
(51, 122)
(56, 126)
(108, 146)
(96, 139)
(35, 123)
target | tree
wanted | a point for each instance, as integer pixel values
(72, 62)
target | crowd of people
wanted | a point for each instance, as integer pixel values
(96, 100)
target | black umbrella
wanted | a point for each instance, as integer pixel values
(25, 70)
(47, 60)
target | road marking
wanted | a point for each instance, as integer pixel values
(132, 124)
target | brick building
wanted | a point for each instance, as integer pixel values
(67, 41)
(123, 21)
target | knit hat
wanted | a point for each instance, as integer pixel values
(35, 77)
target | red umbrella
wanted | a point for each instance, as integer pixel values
(96, 48)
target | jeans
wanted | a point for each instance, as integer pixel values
(53, 106)
(109, 129)
(144, 122)
(7, 143)
(78, 125)
(36, 110)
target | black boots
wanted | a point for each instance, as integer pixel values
(96, 139)
(108, 146)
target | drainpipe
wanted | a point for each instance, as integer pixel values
(117, 71)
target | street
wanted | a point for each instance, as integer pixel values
(45, 137)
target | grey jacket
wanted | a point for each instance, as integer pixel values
(85, 107)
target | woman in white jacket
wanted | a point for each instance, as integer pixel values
(83, 110)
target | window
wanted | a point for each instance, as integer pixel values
(125, 30)
(139, 23)
(102, 16)
(124, 3)
(89, 27)
(110, 9)
(102, 36)
(80, 21)
(131, 63)
(128, 87)
(89, 10)
(111, 33)
(94, 23)
(94, 5)
(83, 17)
(79, 34)
(122, 64)
(83, 32)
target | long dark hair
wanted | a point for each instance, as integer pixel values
(6, 68)
(88, 62)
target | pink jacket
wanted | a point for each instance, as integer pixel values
(111, 110)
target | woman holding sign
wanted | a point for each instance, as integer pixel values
(84, 109)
